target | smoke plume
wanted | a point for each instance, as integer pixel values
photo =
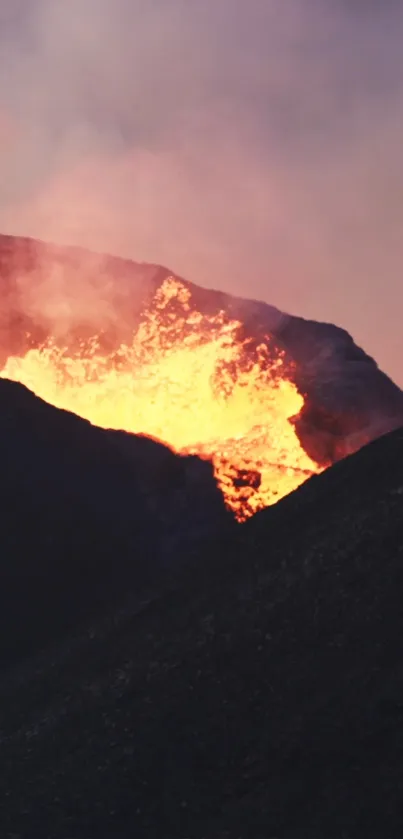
(251, 146)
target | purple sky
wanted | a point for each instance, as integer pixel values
(253, 146)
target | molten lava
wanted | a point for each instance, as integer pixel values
(192, 382)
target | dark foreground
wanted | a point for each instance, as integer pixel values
(257, 692)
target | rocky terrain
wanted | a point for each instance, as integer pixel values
(85, 511)
(76, 293)
(253, 690)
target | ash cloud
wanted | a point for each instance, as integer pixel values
(254, 147)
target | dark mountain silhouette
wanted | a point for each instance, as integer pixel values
(348, 400)
(254, 689)
(83, 511)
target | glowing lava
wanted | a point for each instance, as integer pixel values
(188, 380)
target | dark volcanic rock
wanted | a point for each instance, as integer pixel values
(348, 400)
(84, 511)
(257, 694)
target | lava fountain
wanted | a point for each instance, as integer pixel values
(191, 381)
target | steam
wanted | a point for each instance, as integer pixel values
(251, 146)
(58, 300)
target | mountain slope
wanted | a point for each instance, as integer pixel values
(258, 693)
(84, 512)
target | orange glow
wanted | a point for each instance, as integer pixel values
(187, 380)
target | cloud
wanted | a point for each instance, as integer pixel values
(250, 146)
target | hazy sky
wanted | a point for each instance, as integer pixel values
(251, 145)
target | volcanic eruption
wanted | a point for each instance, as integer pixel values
(268, 398)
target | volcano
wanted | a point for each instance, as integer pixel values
(269, 398)
(165, 671)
